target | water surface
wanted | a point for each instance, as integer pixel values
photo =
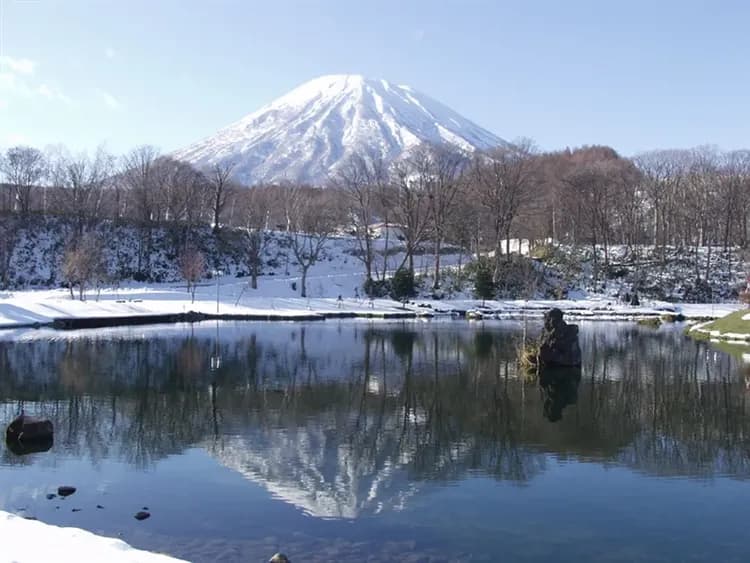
(408, 441)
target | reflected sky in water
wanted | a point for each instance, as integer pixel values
(413, 441)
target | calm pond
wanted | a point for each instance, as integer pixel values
(379, 441)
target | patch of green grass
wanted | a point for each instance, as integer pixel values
(731, 323)
(735, 350)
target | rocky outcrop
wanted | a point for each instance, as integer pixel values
(558, 345)
(27, 429)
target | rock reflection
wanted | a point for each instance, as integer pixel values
(352, 419)
(560, 388)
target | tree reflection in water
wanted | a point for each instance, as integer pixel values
(345, 419)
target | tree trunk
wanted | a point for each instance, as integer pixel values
(498, 259)
(217, 210)
(303, 282)
(436, 282)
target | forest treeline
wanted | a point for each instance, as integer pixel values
(590, 196)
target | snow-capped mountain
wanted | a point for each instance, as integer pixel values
(307, 134)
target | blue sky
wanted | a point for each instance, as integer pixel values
(635, 75)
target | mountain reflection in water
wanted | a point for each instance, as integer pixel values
(352, 419)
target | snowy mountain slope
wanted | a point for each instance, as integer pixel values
(305, 135)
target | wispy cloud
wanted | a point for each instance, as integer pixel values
(109, 100)
(110, 53)
(419, 34)
(17, 65)
(53, 93)
(18, 79)
(3, 104)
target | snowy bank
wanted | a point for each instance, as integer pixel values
(233, 300)
(30, 541)
(37, 308)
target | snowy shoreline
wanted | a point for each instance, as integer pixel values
(158, 304)
(32, 541)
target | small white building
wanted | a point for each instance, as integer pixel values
(393, 231)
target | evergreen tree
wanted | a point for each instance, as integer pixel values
(484, 285)
(402, 285)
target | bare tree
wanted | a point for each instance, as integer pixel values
(181, 199)
(446, 178)
(82, 179)
(663, 174)
(701, 201)
(219, 176)
(732, 195)
(138, 170)
(461, 227)
(411, 179)
(257, 209)
(138, 176)
(83, 264)
(192, 268)
(504, 180)
(360, 180)
(313, 216)
(23, 169)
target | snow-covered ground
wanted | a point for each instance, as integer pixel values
(30, 541)
(275, 299)
(35, 265)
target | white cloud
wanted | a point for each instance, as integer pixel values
(17, 81)
(17, 65)
(109, 100)
(52, 93)
(110, 53)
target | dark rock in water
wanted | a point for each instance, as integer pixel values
(145, 508)
(27, 429)
(99, 506)
(29, 446)
(279, 558)
(558, 345)
(560, 389)
(65, 491)
(142, 515)
(76, 510)
(50, 496)
(30, 518)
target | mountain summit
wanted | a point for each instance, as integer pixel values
(305, 135)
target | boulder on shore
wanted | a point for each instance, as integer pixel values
(558, 345)
(27, 429)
